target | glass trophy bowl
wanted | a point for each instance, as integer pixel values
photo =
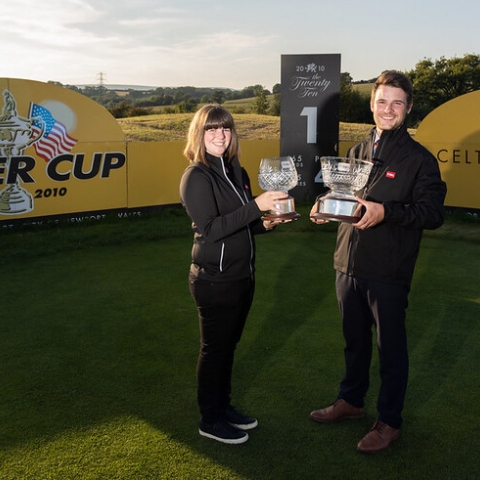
(280, 174)
(344, 177)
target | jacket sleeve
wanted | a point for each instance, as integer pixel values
(426, 211)
(198, 197)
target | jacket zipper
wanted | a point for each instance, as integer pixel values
(354, 234)
(221, 257)
(248, 229)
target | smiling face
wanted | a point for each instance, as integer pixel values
(390, 107)
(212, 130)
(217, 140)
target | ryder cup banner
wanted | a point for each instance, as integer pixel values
(309, 117)
(60, 152)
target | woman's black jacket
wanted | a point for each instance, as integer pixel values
(224, 216)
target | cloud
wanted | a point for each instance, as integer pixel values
(57, 24)
(189, 61)
(180, 42)
(158, 17)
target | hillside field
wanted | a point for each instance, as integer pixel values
(162, 127)
(174, 127)
(165, 127)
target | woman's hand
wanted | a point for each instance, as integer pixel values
(314, 210)
(270, 200)
(270, 224)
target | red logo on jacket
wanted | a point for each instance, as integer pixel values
(390, 174)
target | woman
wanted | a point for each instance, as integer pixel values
(215, 191)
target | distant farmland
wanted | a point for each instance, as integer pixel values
(173, 127)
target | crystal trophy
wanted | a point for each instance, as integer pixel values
(280, 174)
(344, 177)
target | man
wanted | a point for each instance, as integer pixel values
(375, 260)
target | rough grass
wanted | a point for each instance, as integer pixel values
(174, 127)
(363, 88)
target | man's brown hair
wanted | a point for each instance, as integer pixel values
(392, 78)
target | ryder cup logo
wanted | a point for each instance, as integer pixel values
(40, 129)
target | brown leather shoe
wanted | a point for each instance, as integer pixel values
(338, 410)
(378, 438)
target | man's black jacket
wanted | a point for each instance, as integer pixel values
(406, 180)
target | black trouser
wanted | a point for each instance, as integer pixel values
(222, 311)
(365, 303)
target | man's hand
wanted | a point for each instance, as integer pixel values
(374, 214)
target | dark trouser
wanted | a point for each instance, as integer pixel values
(222, 311)
(364, 303)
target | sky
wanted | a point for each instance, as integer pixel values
(209, 43)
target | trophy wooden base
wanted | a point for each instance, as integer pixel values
(336, 218)
(281, 217)
(338, 209)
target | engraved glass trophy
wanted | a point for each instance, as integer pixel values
(279, 174)
(344, 177)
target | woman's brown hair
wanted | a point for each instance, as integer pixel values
(209, 116)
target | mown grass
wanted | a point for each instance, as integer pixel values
(99, 343)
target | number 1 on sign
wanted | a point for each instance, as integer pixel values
(311, 114)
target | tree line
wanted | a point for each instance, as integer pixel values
(134, 102)
(435, 82)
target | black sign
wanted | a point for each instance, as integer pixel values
(309, 125)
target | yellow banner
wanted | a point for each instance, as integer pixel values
(60, 152)
(452, 133)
